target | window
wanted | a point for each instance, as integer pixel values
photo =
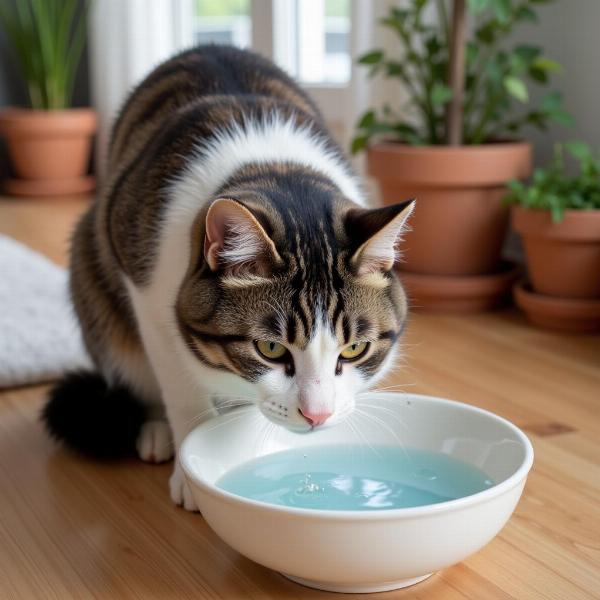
(311, 38)
(222, 22)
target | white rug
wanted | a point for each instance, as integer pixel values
(39, 335)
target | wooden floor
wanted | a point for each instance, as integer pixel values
(71, 528)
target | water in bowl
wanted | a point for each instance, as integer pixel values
(352, 477)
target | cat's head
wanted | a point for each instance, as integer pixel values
(292, 288)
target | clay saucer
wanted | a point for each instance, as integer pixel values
(563, 314)
(460, 294)
(48, 187)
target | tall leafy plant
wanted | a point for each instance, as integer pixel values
(486, 79)
(48, 38)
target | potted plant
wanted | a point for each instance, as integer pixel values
(558, 218)
(49, 143)
(452, 146)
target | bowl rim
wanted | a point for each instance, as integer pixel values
(393, 513)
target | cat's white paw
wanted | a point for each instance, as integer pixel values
(155, 443)
(180, 491)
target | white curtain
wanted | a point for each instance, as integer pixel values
(128, 38)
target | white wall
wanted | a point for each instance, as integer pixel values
(569, 32)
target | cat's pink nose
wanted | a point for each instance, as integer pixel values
(315, 419)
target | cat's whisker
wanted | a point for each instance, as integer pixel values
(403, 367)
(270, 431)
(353, 429)
(364, 438)
(235, 417)
(266, 433)
(384, 425)
(389, 412)
(235, 398)
(261, 428)
(211, 410)
(196, 419)
(348, 422)
(262, 436)
(394, 387)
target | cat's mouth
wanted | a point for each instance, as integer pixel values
(293, 419)
(285, 417)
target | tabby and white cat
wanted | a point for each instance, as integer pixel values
(229, 254)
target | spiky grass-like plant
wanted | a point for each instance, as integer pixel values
(47, 37)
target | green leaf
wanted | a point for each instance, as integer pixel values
(514, 185)
(478, 6)
(394, 69)
(538, 75)
(367, 120)
(371, 58)
(406, 129)
(440, 94)
(551, 101)
(524, 13)
(502, 10)
(400, 14)
(413, 57)
(516, 88)
(433, 45)
(493, 71)
(486, 34)
(557, 213)
(536, 118)
(376, 128)
(527, 53)
(579, 150)
(359, 143)
(546, 64)
(472, 52)
(562, 117)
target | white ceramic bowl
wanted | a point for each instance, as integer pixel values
(362, 551)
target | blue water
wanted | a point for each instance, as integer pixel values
(351, 477)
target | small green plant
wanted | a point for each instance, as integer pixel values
(554, 190)
(489, 80)
(48, 38)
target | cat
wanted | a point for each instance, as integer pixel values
(229, 254)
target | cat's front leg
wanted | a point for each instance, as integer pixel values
(186, 408)
(186, 402)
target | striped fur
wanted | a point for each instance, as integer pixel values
(219, 143)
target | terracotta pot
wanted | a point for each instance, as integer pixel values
(459, 223)
(468, 294)
(563, 258)
(48, 144)
(561, 314)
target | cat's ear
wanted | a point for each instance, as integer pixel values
(377, 232)
(235, 241)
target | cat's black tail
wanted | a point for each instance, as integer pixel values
(92, 418)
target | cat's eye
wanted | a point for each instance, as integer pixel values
(354, 351)
(271, 350)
